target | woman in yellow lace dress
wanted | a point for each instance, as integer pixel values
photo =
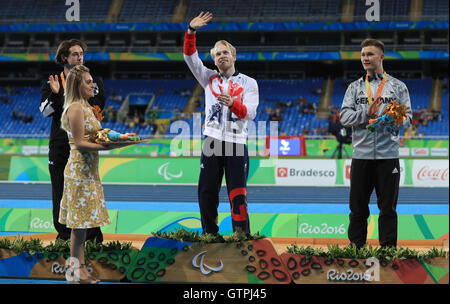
(83, 204)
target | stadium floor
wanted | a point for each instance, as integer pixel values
(184, 198)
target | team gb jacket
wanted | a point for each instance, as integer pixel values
(221, 122)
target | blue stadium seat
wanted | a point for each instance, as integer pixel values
(168, 97)
(147, 11)
(435, 10)
(36, 11)
(389, 10)
(267, 10)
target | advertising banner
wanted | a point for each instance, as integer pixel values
(310, 225)
(439, 152)
(272, 224)
(326, 147)
(25, 146)
(256, 56)
(179, 170)
(225, 26)
(285, 146)
(158, 170)
(29, 169)
(325, 226)
(430, 173)
(404, 151)
(189, 147)
(146, 222)
(262, 171)
(410, 226)
(14, 219)
(420, 152)
(41, 220)
(301, 172)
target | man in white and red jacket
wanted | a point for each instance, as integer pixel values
(231, 99)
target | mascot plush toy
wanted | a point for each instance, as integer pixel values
(108, 135)
(392, 117)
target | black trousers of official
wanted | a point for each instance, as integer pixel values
(57, 179)
(219, 157)
(384, 176)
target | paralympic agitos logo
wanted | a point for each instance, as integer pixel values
(205, 269)
(164, 172)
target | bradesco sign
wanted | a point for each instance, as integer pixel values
(302, 172)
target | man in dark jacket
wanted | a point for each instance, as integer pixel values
(69, 54)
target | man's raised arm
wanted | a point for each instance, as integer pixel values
(190, 51)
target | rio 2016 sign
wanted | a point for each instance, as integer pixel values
(324, 228)
(371, 274)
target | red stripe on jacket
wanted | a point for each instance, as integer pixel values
(239, 109)
(189, 44)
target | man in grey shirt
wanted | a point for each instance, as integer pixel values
(375, 162)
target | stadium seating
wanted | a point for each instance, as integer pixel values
(147, 11)
(285, 94)
(274, 93)
(442, 127)
(26, 100)
(168, 98)
(278, 92)
(419, 89)
(266, 10)
(389, 10)
(435, 10)
(33, 11)
(167, 91)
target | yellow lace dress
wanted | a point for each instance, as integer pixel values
(83, 203)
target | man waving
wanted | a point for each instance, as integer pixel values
(231, 99)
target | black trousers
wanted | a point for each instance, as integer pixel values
(219, 157)
(57, 179)
(384, 176)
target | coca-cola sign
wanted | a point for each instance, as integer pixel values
(430, 173)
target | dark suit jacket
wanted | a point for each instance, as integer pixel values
(52, 106)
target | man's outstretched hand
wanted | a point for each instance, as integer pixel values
(54, 83)
(201, 20)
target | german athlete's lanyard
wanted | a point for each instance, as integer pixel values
(63, 80)
(380, 89)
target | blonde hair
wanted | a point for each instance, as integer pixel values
(226, 44)
(72, 93)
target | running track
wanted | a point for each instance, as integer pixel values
(260, 198)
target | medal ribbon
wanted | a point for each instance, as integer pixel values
(380, 89)
(63, 80)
